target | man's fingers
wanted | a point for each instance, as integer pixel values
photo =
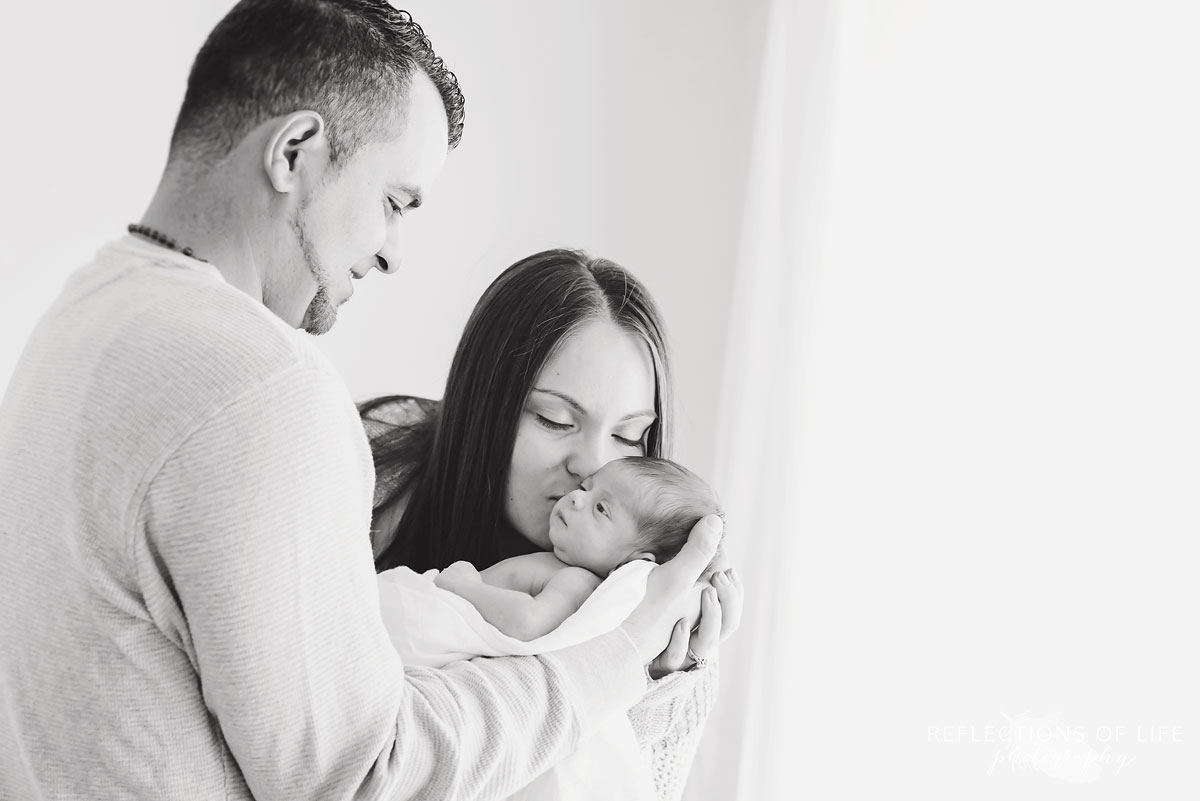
(668, 587)
(673, 656)
(698, 551)
(730, 594)
(720, 562)
(677, 648)
(709, 634)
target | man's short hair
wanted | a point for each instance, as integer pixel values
(351, 61)
(672, 500)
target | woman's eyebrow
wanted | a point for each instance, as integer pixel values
(579, 406)
(574, 403)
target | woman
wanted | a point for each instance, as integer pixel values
(562, 367)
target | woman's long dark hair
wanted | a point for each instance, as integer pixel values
(456, 461)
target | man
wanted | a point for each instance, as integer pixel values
(189, 606)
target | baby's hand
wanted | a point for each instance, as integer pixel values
(456, 575)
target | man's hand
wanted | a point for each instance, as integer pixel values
(456, 575)
(720, 611)
(668, 589)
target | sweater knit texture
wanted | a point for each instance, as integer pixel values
(188, 605)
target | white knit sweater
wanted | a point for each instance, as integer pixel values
(188, 603)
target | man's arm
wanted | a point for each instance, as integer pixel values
(519, 614)
(253, 537)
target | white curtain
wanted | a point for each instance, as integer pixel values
(960, 443)
(760, 458)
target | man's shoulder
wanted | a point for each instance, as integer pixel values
(172, 345)
(173, 319)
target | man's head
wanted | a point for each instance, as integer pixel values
(337, 116)
(640, 507)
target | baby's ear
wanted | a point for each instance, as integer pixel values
(649, 557)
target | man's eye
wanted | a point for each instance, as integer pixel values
(552, 424)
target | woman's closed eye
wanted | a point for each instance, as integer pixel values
(553, 425)
(631, 443)
(393, 206)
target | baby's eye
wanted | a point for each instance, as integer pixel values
(602, 508)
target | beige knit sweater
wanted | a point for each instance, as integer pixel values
(188, 604)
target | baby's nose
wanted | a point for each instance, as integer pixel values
(577, 499)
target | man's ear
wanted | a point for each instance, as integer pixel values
(297, 144)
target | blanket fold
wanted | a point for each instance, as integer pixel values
(430, 626)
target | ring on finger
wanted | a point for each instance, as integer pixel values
(700, 661)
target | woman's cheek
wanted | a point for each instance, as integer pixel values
(525, 492)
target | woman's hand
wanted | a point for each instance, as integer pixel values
(720, 614)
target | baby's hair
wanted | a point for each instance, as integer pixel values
(672, 500)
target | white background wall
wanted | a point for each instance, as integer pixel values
(621, 128)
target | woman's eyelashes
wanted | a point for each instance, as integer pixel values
(393, 206)
(553, 425)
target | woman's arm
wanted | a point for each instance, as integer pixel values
(669, 723)
(669, 720)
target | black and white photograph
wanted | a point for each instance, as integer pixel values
(574, 401)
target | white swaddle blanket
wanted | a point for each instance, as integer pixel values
(431, 626)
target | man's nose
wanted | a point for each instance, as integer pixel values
(387, 261)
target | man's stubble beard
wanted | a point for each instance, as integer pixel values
(321, 313)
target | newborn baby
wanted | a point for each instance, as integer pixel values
(634, 508)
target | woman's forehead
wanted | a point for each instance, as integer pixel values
(607, 370)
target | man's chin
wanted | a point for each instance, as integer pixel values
(318, 324)
(320, 315)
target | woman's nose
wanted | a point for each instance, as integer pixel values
(590, 455)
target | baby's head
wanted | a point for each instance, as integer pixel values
(635, 508)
